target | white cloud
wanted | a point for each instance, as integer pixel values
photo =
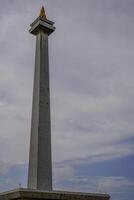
(63, 173)
(98, 184)
(4, 167)
(115, 184)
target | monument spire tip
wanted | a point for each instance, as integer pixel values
(42, 13)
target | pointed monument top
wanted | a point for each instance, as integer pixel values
(42, 13)
(42, 23)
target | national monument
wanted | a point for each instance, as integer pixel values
(40, 167)
(40, 163)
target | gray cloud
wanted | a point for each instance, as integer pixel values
(91, 73)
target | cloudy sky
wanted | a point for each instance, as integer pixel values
(92, 93)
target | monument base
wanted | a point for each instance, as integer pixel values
(30, 194)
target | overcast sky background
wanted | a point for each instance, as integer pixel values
(92, 93)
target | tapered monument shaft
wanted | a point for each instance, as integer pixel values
(40, 165)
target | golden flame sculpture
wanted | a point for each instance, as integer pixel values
(42, 13)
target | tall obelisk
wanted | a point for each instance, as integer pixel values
(40, 166)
